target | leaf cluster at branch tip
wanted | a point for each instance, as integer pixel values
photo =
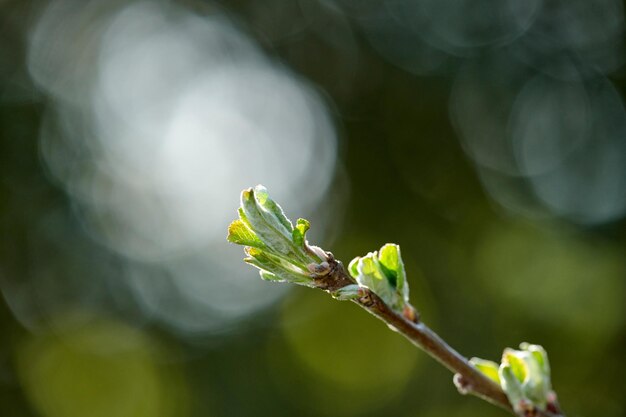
(272, 243)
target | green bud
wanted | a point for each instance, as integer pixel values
(383, 273)
(525, 376)
(349, 292)
(272, 243)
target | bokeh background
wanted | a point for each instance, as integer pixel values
(487, 137)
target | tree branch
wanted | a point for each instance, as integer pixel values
(468, 379)
(377, 282)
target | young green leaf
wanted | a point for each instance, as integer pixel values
(241, 234)
(277, 266)
(511, 386)
(391, 263)
(489, 368)
(353, 267)
(272, 232)
(516, 363)
(273, 212)
(268, 276)
(299, 232)
(540, 355)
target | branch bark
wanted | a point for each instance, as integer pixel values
(467, 378)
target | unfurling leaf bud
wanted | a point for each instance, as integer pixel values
(525, 377)
(383, 273)
(272, 243)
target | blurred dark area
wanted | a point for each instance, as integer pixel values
(487, 138)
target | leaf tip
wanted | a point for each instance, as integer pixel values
(230, 235)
